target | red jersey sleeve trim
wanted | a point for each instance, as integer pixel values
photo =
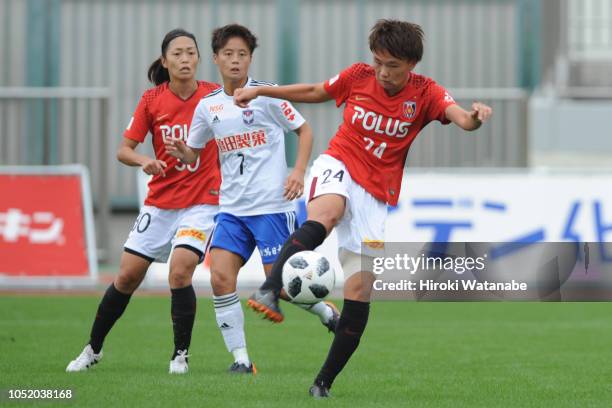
(141, 124)
(440, 100)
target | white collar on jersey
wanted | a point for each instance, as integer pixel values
(250, 83)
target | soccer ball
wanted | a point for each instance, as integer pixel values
(308, 277)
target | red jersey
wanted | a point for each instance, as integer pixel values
(377, 129)
(166, 116)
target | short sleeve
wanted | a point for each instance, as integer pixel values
(285, 114)
(139, 124)
(439, 100)
(339, 86)
(200, 132)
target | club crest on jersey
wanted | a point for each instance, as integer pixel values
(410, 109)
(248, 116)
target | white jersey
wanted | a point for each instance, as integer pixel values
(251, 144)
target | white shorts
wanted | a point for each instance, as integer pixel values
(157, 231)
(364, 216)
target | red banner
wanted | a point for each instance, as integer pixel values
(42, 229)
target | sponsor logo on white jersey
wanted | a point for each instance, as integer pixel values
(216, 108)
(288, 111)
(242, 141)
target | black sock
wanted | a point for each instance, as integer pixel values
(352, 323)
(111, 308)
(306, 238)
(183, 312)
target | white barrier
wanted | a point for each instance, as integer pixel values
(475, 206)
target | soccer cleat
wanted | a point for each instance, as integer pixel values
(179, 365)
(319, 391)
(85, 360)
(239, 368)
(333, 322)
(266, 301)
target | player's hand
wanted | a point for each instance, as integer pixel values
(176, 148)
(481, 112)
(242, 96)
(294, 186)
(154, 167)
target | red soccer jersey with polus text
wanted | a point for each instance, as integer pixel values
(377, 130)
(166, 116)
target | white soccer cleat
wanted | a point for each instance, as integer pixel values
(85, 360)
(179, 364)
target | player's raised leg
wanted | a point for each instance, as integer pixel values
(132, 271)
(326, 311)
(270, 232)
(324, 212)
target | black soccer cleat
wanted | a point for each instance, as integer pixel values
(239, 368)
(266, 301)
(319, 391)
(332, 323)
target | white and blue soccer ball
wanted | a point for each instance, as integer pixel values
(308, 277)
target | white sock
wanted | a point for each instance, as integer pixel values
(230, 320)
(320, 309)
(241, 356)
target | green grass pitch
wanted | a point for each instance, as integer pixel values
(412, 354)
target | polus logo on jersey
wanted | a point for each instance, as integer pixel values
(174, 132)
(382, 125)
(410, 109)
(248, 116)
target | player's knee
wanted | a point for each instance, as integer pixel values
(359, 286)
(329, 218)
(180, 277)
(127, 281)
(182, 266)
(222, 283)
(328, 211)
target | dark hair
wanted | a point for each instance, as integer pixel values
(222, 35)
(157, 73)
(401, 39)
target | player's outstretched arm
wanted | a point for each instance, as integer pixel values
(307, 93)
(471, 120)
(294, 186)
(127, 155)
(178, 149)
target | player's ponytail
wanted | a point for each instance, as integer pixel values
(157, 74)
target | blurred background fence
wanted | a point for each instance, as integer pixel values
(505, 52)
